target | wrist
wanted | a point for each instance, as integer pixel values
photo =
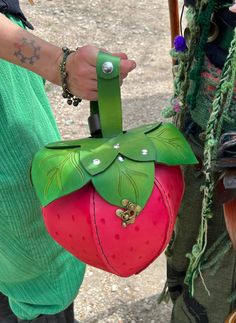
(66, 94)
(54, 74)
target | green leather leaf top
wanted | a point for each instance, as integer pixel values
(121, 164)
(118, 167)
(126, 178)
(55, 172)
(170, 145)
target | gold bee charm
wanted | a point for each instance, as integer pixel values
(31, 2)
(128, 216)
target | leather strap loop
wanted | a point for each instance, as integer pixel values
(109, 97)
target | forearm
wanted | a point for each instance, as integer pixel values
(21, 47)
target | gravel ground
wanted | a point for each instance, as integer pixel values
(141, 29)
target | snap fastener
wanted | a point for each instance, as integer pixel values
(107, 67)
(96, 162)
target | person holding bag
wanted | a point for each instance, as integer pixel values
(38, 279)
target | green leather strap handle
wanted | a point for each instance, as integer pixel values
(109, 98)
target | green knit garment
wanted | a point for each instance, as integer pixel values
(37, 275)
(210, 79)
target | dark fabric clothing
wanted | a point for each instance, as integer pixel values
(214, 286)
(205, 307)
(193, 2)
(228, 16)
(66, 316)
(216, 55)
(221, 282)
(7, 316)
(225, 20)
(13, 7)
(190, 3)
(217, 51)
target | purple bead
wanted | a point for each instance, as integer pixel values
(180, 44)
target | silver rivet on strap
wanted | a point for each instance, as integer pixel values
(107, 67)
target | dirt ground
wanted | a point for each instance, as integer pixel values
(141, 29)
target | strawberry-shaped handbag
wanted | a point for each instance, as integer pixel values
(112, 199)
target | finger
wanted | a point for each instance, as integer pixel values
(81, 89)
(118, 54)
(87, 95)
(123, 76)
(121, 55)
(127, 66)
(92, 96)
(89, 85)
(105, 50)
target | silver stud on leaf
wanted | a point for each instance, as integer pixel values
(96, 162)
(116, 146)
(144, 152)
(121, 159)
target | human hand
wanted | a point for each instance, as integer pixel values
(81, 69)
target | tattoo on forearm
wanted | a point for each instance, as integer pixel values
(27, 51)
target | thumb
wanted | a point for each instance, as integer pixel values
(127, 65)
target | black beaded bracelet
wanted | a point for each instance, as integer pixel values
(64, 75)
